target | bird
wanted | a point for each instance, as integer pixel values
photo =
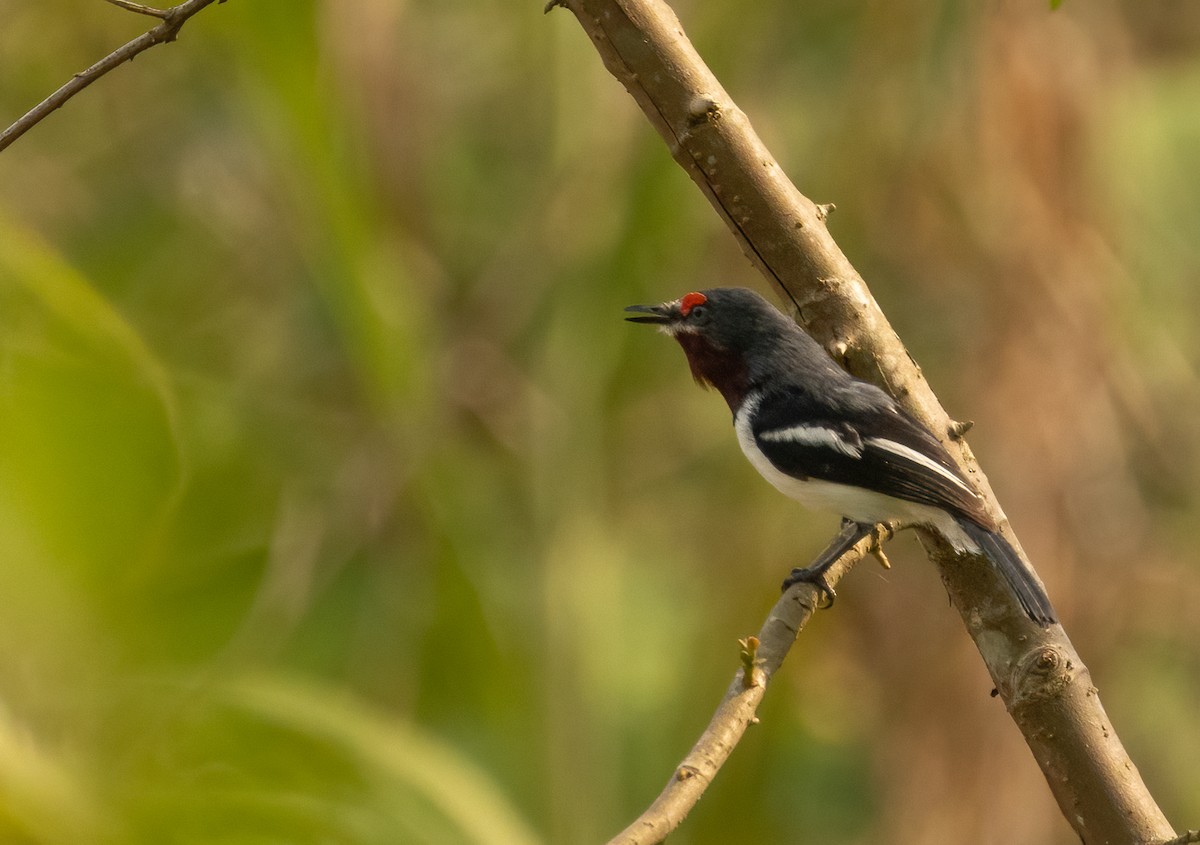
(829, 440)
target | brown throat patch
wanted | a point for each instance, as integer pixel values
(715, 366)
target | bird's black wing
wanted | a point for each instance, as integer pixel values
(873, 444)
(864, 439)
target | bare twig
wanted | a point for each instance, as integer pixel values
(173, 20)
(1044, 683)
(736, 710)
(1188, 836)
(140, 9)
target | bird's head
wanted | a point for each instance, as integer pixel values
(727, 334)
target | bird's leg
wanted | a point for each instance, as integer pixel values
(814, 573)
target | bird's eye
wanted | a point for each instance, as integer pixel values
(697, 312)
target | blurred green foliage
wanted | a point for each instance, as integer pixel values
(338, 505)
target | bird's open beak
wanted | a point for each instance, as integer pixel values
(655, 314)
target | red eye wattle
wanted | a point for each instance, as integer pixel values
(690, 301)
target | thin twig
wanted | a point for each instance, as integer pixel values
(1185, 838)
(736, 710)
(140, 9)
(173, 20)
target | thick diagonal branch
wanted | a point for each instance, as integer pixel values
(1045, 685)
(172, 20)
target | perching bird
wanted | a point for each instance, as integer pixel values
(829, 440)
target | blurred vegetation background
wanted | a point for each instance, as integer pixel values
(339, 505)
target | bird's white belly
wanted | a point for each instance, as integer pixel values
(856, 503)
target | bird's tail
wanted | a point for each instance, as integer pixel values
(1020, 579)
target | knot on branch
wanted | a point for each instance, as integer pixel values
(702, 110)
(957, 428)
(1043, 672)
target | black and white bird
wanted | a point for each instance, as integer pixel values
(829, 440)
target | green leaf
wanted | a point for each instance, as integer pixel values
(88, 418)
(400, 756)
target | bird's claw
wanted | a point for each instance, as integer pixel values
(810, 575)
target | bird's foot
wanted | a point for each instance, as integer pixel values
(815, 572)
(814, 575)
